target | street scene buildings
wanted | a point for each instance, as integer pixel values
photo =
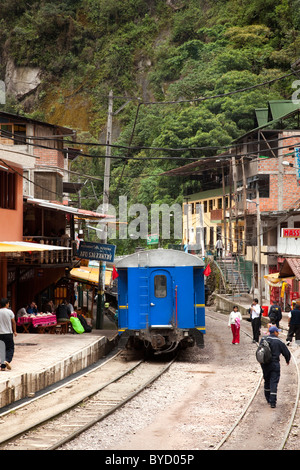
(249, 202)
(39, 230)
(252, 206)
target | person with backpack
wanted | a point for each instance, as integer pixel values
(234, 323)
(271, 365)
(275, 314)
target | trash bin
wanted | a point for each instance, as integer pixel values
(265, 310)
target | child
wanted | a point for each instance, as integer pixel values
(234, 322)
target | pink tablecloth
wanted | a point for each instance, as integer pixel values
(38, 320)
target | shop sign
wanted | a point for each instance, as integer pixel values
(290, 232)
(96, 251)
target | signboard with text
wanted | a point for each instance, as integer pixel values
(290, 232)
(96, 251)
(152, 239)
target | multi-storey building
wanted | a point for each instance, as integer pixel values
(37, 226)
(253, 195)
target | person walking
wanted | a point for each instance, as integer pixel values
(294, 324)
(8, 330)
(271, 371)
(219, 248)
(234, 323)
(255, 312)
(275, 314)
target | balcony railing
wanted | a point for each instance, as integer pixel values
(64, 256)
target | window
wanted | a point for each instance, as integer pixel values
(263, 186)
(14, 134)
(205, 206)
(219, 203)
(19, 134)
(160, 286)
(7, 190)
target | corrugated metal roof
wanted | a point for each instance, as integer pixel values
(278, 109)
(290, 267)
(65, 208)
(261, 116)
(159, 258)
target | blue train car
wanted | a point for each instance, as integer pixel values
(161, 300)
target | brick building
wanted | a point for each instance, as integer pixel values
(252, 196)
(37, 228)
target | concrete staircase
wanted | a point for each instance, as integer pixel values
(232, 276)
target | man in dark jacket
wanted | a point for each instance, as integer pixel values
(294, 324)
(271, 371)
(275, 314)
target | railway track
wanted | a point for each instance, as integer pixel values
(59, 416)
(238, 435)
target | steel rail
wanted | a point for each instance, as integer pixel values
(88, 396)
(286, 436)
(239, 419)
(51, 389)
(101, 417)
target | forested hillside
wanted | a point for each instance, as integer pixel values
(151, 51)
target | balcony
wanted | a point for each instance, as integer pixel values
(65, 256)
(216, 215)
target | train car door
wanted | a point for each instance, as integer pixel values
(161, 298)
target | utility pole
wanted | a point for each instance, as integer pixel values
(107, 157)
(102, 264)
(187, 198)
(224, 211)
(258, 227)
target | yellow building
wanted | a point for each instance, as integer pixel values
(207, 216)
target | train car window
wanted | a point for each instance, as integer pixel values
(160, 286)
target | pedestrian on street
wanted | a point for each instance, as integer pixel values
(271, 371)
(255, 312)
(275, 314)
(234, 323)
(219, 248)
(294, 324)
(8, 330)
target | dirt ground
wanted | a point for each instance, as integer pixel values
(194, 404)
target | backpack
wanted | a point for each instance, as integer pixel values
(86, 326)
(263, 352)
(77, 326)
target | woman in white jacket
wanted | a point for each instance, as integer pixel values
(234, 322)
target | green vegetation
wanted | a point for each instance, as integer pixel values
(157, 51)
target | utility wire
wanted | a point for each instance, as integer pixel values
(128, 157)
